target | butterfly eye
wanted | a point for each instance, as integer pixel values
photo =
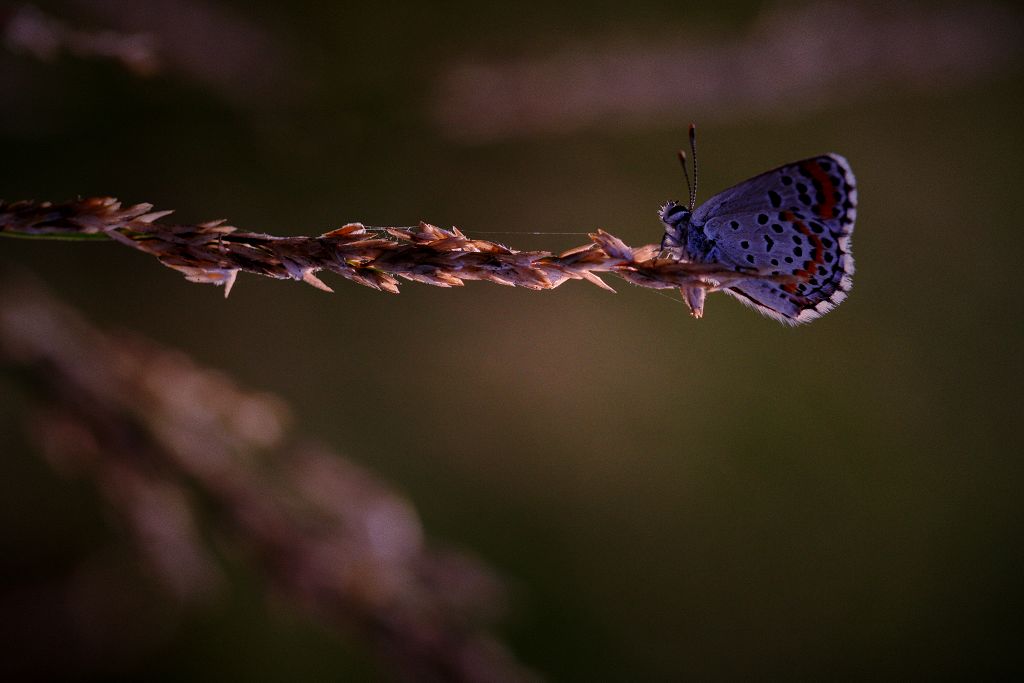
(673, 213)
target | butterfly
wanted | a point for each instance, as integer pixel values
(787, 230)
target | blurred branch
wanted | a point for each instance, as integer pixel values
(218, 45)
(183, 456)
(27, 29)
(793, 59)
(214, 252)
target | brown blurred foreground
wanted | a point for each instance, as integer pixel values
(194, 468)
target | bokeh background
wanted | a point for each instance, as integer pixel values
(666, 498)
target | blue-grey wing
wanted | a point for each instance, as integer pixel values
(794, 220)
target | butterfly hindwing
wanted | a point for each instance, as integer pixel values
(794, 221)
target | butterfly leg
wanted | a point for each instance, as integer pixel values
(694, 297)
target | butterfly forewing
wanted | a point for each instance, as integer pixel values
(794, 223)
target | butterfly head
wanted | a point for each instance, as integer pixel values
(676, 218)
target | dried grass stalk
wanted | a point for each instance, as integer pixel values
(215, 252)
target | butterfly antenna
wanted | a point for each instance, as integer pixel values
(693, 150)
(686, 174)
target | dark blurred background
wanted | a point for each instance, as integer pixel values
(667, 498)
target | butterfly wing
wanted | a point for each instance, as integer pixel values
(794, 220)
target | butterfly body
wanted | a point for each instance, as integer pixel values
(787, 231)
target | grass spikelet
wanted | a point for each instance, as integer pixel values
(214, 252)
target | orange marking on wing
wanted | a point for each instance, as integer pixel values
(827, 188)
(819, 248)
(818, 257)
